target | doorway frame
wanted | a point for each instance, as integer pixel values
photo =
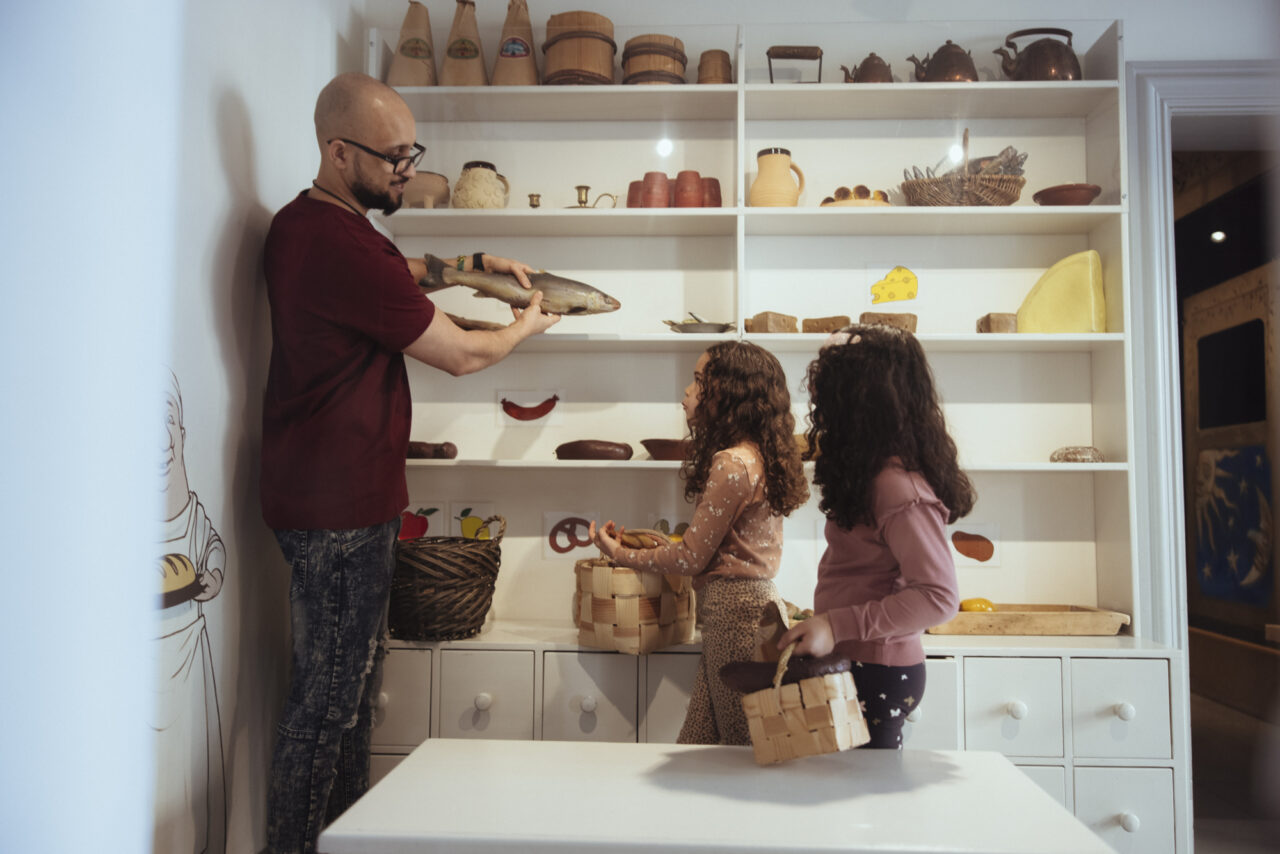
(1159, 92)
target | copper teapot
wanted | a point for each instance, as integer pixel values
(950, 63)
(873, 69)
(1043, 59)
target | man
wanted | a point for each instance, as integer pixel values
(345, 306)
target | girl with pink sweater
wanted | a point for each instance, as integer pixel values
(890, 483)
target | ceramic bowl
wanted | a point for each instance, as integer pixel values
(1067, 194)
(666, 449)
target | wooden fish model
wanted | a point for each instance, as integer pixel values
(559, 295)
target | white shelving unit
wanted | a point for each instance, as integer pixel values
(1066, 531)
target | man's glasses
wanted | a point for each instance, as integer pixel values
(399, 165)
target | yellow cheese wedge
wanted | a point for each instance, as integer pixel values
(1067, 298)
(899, 284)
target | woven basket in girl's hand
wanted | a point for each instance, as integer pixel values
(443, 586)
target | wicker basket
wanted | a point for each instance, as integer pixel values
(964, 189)
(816, 715)
(622, 609)
(443, 586)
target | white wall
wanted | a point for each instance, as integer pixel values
(180, 138)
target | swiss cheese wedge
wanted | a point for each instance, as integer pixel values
(1067, 298)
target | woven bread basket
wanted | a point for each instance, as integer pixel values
(443, 586)
(963, 189)
(806, 718)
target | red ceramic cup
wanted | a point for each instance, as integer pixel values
(688, 189)
(656, 190)
(711, 193)
(635, 194)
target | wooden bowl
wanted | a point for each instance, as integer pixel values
(1067, 194)
(666, 449)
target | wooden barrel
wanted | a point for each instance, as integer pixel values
(653, 58)
(714, 67)
(580, 49)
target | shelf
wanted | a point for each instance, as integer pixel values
(622, 465)
(983, 100)
(927, 221)
(974, 342)
(660, 342)
(571, 103)
(563, 222)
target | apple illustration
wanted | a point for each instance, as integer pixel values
(414, 524)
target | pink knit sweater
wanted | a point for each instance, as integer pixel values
(883, 585)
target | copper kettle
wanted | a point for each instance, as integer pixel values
(873, 69)
(1043, 59)
(948, 64)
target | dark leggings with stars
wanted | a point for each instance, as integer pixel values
(888, 694)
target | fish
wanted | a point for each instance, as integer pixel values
(559, 295)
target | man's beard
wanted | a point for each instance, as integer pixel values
(371, 198)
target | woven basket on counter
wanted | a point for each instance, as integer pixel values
(816, 715)
(443, 586)
(964, 190)
(622, 609)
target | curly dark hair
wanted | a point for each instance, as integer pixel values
(871, 399)
(743, 397)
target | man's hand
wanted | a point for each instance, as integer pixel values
(812, 636)
(533, 318)
(494, 264)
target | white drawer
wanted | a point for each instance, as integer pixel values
(1120, 708)
(934, 724)
(486, 693)
(380, 765)
(403, 717)
(668, 684)
(1130, 808)
(1013, 705)
(1051, 778)
(589, 696)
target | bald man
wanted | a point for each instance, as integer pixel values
(345, 309)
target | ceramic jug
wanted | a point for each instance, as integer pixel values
(480, 186)
(773, 186)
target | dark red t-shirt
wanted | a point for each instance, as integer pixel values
(336, 414)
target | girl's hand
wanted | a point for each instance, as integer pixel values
(812, 636)
(606, 538)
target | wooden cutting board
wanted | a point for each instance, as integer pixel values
(1034, 620)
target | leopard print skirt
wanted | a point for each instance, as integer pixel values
(728, 609)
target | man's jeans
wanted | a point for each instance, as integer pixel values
(338, 603)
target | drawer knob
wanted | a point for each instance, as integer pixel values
(483, 701)
(383, 700)
(1125, 711)
(1130, 822)
(915, 715)
(1016, 710)
(589, 704)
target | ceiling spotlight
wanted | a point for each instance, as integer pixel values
(1218, 236)
(665, 147)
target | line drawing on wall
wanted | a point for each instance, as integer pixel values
(190, 793)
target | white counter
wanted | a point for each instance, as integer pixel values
(463, 795)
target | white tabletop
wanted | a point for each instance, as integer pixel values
(465, 795)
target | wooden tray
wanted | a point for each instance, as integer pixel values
(1034, 620)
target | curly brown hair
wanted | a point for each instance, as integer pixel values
(870, 399)
(743, 397)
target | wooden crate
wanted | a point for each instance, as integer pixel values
(622, 609)
(1034, 620)
(806, 718)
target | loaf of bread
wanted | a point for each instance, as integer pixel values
(593, 449)
(432, 451)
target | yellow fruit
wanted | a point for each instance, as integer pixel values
(977, 604)
(470, 525)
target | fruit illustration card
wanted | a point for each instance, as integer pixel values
(466, 517)
(424, 519)
(975, 543)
